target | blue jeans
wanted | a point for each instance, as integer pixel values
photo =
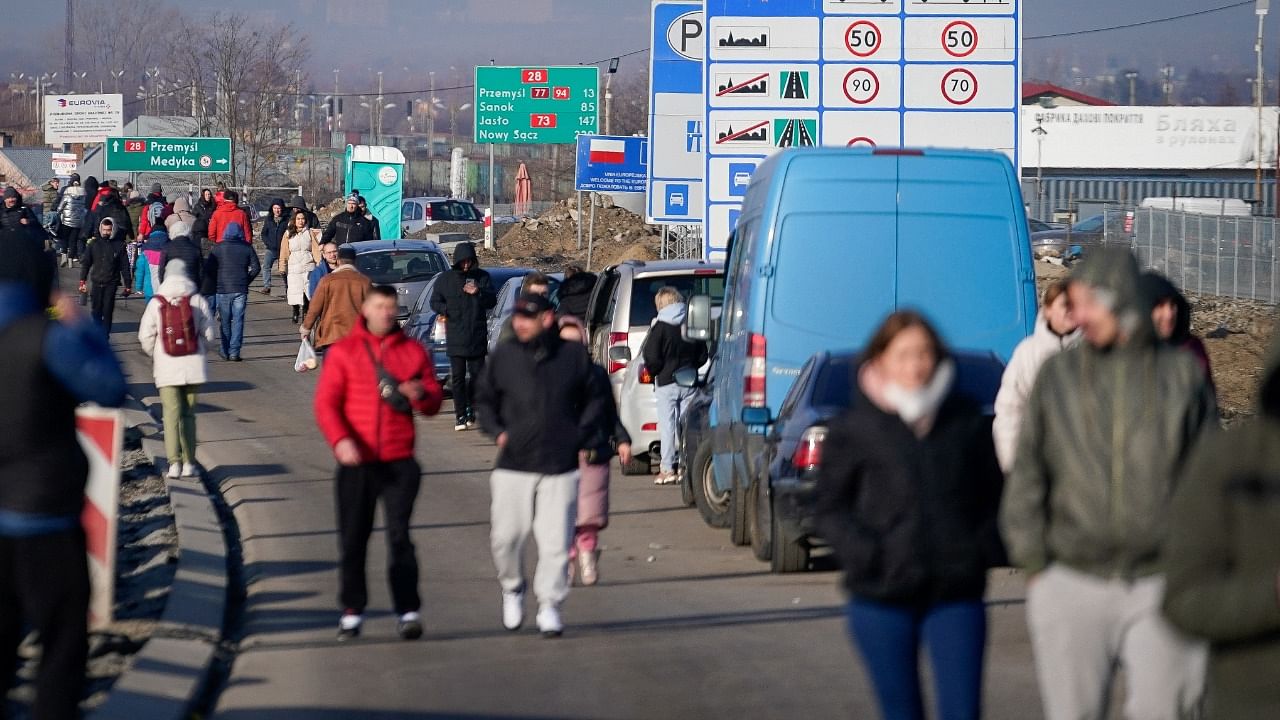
(889, 638)
(672, 401)
(231, 311)
(268, 264)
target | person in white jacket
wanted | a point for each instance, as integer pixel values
(178, 378)
(1056, 330)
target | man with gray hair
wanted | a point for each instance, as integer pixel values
(183, 247)
(1105, 434)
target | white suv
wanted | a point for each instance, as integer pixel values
(419, 213)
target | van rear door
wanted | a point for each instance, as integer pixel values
(963, 250)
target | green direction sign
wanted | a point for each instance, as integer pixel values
(535, 104)
(176, 154)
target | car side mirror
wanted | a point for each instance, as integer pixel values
(698, 326)
(687, 377)
(620, 354)
(757, 416)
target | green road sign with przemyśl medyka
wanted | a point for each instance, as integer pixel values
(536, 104)
(173, 154)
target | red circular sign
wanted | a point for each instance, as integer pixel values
(863, 38)
(861, 85)
(959, 86)
(862, 141)
(959, 39)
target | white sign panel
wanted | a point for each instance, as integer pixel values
(677, 134)
(82, 118)
(1152, 138)
(853, 73)
(64, 164)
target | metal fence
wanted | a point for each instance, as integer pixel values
(1203, 254)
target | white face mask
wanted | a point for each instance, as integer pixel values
(914, 405)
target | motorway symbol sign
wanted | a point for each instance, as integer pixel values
(677, 119)
(795, 133)
(529, 105)
(168, 154)
(795, 85)
(612, 164)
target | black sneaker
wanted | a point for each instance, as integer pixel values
(409, 626)
(349, 626)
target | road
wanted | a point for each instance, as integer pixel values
(681, 624)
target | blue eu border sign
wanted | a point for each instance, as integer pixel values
(612, 164)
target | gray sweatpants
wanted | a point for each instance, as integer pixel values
(545, 505)
(1082, 625)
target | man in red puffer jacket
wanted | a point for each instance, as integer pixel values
(372, 383)
(227, 212)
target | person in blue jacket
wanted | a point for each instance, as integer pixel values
(146, 269)
(51, 366)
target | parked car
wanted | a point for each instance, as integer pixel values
(419, 213)
(408, 265)
(1071, 241)
(621, 308)
(426, 326)
(1040, 225)
(696, 472)
(830, 241)
(508, 292)
(780, 501)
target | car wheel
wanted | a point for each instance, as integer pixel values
(761, 522)
(639, 465)
(790, 555)
(739, 529)
(712, 504)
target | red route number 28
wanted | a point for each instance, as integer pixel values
(529, 76)
(135, 145)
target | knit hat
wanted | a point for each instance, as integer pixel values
(12, 192)
(297, 202)
(156, 189)
(354, 198)
(25, 261)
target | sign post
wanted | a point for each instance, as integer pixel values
(676, 114)
(893, 73)
(155, 154)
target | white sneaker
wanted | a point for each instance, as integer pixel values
(460, 427)
(175, 471)
(189, 470)
(549, 623)
(349, 626)
(512, 610)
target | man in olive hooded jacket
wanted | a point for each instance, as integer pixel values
(1107, 430)
(1223, 558)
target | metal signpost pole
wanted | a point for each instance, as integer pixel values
(591, 229)
(1259, 87)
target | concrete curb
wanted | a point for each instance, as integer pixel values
(172, 670)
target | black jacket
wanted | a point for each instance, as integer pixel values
(541, 394)
(108, 207)
(609, 432)
(666, 351)
(202, 211)
(106, 261)
(348, 227)
(466, 319)
(235, 265)
(912, 521)
(575, 295)
(188, 251)
(11, 220)
(272, 232)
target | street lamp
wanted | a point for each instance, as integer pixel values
(1263, 7)
(1132, 76)
(1040, 133)
(608, 94)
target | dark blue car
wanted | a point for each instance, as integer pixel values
(780, 505)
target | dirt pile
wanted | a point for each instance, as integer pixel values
(327, 212)
(551, 239)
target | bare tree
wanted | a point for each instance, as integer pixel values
(117, 41)
(246, 82)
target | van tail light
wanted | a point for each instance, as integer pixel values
(753, 385)
(617, 340)
(646, 377)
(808, 454)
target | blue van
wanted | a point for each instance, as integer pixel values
(829, 242)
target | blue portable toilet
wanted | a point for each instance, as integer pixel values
(378, 173)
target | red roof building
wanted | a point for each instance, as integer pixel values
(1033, 93)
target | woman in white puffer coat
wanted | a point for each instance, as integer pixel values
(1056, 330)
(178, 378)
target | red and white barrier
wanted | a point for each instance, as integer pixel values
(101, 434)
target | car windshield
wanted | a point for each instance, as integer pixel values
(455, 211)
(833, 386)
(645, 289)
(1093, 224)
(388, 267)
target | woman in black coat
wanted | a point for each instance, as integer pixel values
(908, 499)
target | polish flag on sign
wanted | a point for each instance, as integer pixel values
(608, 152)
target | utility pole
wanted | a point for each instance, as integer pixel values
(1040, 133)
(431, 116)
(1259, 88)
(378, 133)
(1167, 73)
(337, 123)
(1132, 76)
(69, 44)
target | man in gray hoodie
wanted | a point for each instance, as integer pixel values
(1106, 431)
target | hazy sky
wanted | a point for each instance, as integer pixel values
(360, 35)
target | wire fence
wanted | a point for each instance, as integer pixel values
(1220, 255)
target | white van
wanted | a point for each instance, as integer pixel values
(1229, 207)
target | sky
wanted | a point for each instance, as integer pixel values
(406, 38)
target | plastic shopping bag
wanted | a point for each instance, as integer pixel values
(306, 358)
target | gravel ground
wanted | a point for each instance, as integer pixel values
(146, 559)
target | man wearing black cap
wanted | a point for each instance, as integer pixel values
(538, 400)
(349, 226)
(50, 367)
(336, 305)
